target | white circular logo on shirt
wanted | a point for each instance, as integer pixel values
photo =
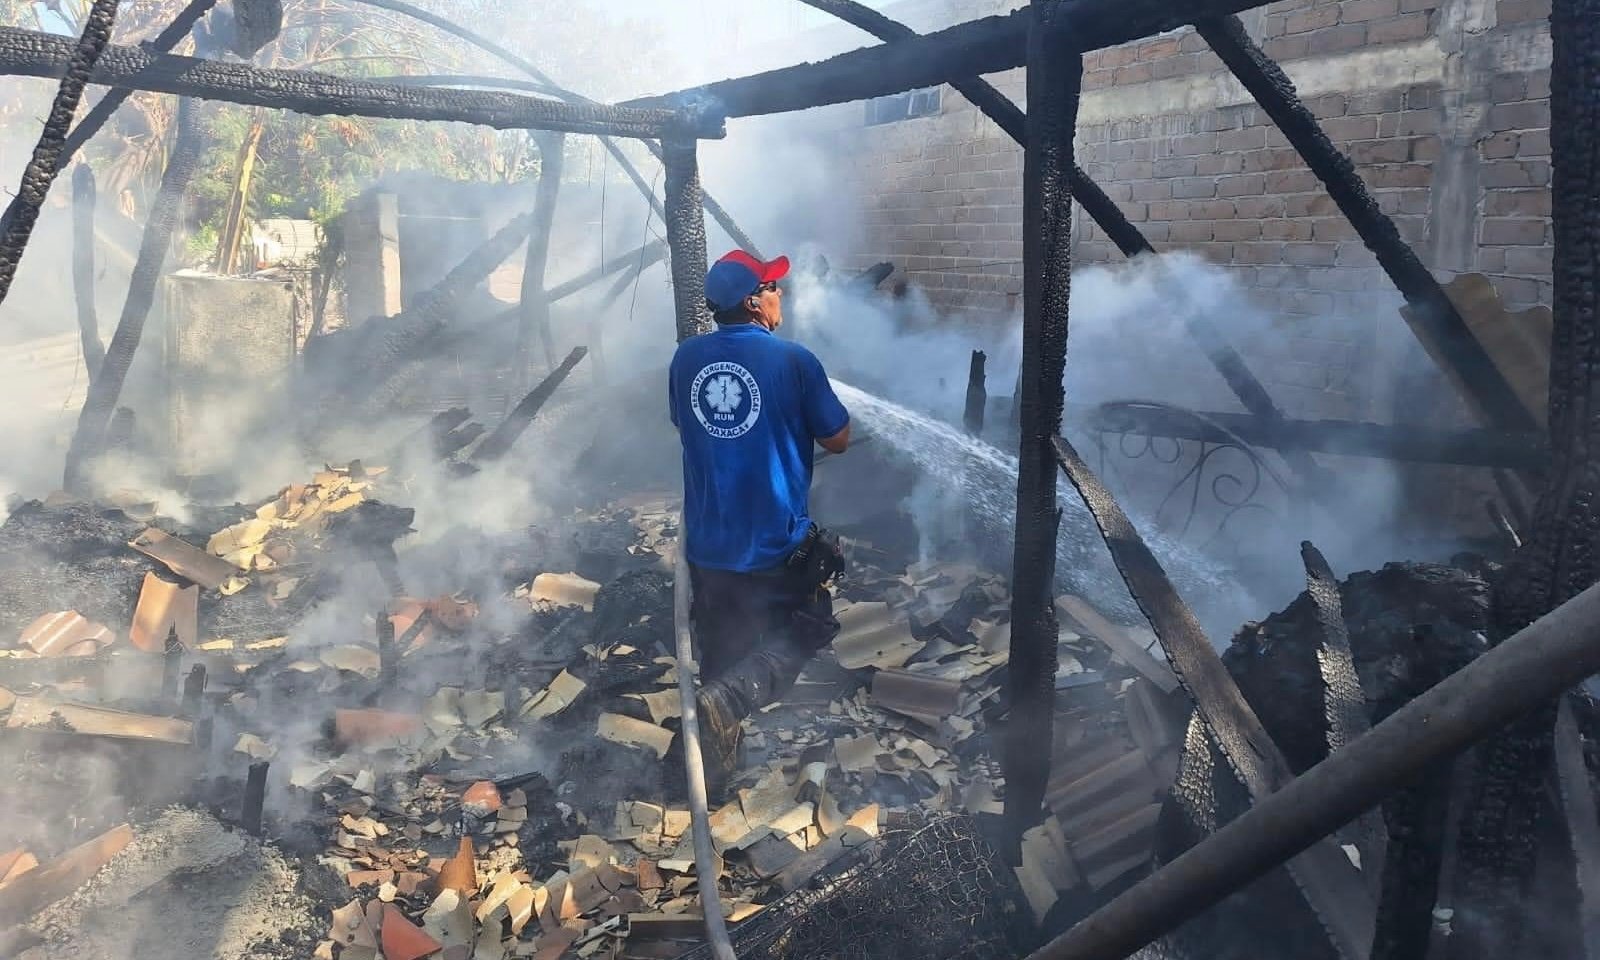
(725, 399)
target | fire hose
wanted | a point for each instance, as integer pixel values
(705, 866)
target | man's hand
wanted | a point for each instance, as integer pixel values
(836, 443)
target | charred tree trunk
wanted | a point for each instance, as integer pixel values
(41, 171)
(1054, 83)
(89, 438)
(1561, 555)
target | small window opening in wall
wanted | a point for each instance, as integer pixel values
(904, 106)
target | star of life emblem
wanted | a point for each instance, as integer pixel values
(725, 399)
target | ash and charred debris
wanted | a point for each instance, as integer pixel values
(496, 774)
(504, 778)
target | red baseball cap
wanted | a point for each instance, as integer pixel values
(737, 275)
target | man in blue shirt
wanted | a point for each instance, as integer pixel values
(749, 409)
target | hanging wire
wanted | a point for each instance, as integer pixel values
(649, 212)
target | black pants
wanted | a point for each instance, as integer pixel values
(756, 631)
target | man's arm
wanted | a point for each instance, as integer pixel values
(826, 417)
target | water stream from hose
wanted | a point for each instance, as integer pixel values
(987, 480)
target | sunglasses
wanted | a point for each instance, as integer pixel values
(770, 285)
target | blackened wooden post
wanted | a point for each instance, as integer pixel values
(388, 654)
(171, 665)
(88, 440)
(534, 311)
(1499, 846)
(1055, 75)
(977, 395)
(194, 687)
(1433, 317)
(83, 202)
(255, 796)
(686, 234)
(1528, 670)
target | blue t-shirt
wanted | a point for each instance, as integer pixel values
(748, 407)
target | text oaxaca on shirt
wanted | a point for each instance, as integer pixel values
(748, 408)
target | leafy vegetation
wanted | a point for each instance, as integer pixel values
(275, 164)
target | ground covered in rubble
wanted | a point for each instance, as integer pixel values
(485, 772)
(469, 742)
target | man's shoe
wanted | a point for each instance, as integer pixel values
(721, 733)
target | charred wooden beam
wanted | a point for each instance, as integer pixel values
(388, 364)
(1055, 81)
(1433, 317)
(171, 666)
(194, 687)
(101, 112)
(495, 445)
(1330, 884)
(534, 310)
(466, 80)
(686, 235)
(645, 255)
(1418, 817)
(970, 49)
(870, 279)
(83, 202)
(457, 440)
(977, 395)
(1524, 673)
(255, 797)
(29, 53)
(388, 652)
(423, 621)
(489, 46)
(647, 258)
(1583, 823)
(1344, 701)
(41, 170)
(1476, 447)
(88, 439)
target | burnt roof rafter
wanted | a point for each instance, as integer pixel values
(31, 53)
(973, 48)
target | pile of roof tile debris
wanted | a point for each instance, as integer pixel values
(402, 754)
